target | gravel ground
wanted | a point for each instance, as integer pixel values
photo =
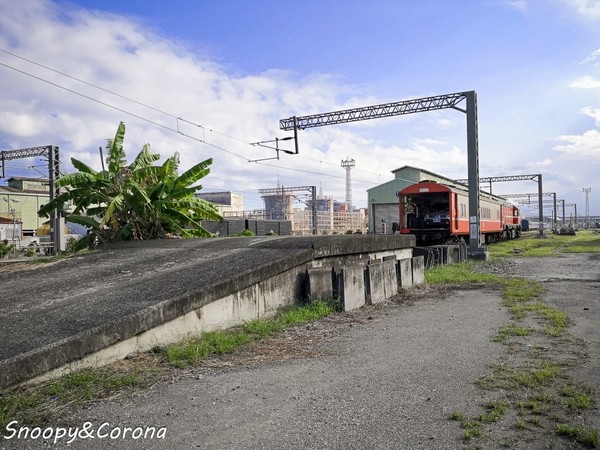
(385, 376)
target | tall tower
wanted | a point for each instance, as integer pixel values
(587, 191)
(348, 164)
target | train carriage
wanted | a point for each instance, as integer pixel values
(439, 213)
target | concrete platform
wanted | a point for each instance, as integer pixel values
(53, 315)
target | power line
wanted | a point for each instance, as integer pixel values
(137, 116)
(153, 108)
(160, 125)
(137, 102)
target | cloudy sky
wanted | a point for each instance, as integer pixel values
(207, 79)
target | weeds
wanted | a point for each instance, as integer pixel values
(584, 435)
(41, 403)
(533, 246)
(576, 399)
(495, 411)
(461, 273)
(186, 353)
(511, 330)
(471, 429)
(457, 416)
(37, 404)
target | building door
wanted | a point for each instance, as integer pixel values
(384, 215)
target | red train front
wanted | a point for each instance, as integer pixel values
(438, 213)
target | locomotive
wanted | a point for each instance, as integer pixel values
(439, 213)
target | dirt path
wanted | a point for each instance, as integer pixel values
(383, 377)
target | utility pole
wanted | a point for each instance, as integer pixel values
(587, 191)
(13, 212)
(348, 164)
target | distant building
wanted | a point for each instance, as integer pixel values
(227, 203)
(25, 196)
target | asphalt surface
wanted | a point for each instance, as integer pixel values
(385, 382)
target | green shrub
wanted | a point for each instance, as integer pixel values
(5, 248)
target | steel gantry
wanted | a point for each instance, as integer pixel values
(539, 200)
(412, 106)
(528, 177)
(52, 153)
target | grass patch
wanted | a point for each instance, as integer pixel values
(308, 313)
(557, 319)
(576, 399)
(535, 378)
(511, 330)
(520, 290)
(37, 404)
(40, 404)
(495, 412)
(461, 273)
(186, 353)
(533, 246)
(221, 342)
(521, 424)
(587, 436)
(457, 416)
(471, 429)
(539, 405)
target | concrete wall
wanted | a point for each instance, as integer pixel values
(330, 274)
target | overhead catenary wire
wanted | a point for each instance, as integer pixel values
(124, 97)
(161, 125)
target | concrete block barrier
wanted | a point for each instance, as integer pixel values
(390, 277)
(375, 283)
(405, 276)
(353, 287)
(418, 270)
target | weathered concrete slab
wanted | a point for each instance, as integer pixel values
(54, 314)
(353, 292)
(405, 277)
(390, 277)
(320, 283)
(418, 270)
(376, 289)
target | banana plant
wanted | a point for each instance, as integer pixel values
(139, 200)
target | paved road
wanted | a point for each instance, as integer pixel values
(389, 382)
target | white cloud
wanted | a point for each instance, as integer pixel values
(586, 82)
(538, 165)
(519, 5)
(592, 57)
(594, 113)
(590, 9)
(584, 146)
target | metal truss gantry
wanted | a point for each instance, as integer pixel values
(410, 107)
(539, 201)
(286, 190)
(53, 155)
(528, 177)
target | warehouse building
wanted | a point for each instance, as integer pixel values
(383, 199)
(21, 200)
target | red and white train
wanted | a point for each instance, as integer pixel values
(439, 213)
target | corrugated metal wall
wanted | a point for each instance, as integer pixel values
(385, 214)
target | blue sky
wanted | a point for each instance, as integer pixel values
(237, 67)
